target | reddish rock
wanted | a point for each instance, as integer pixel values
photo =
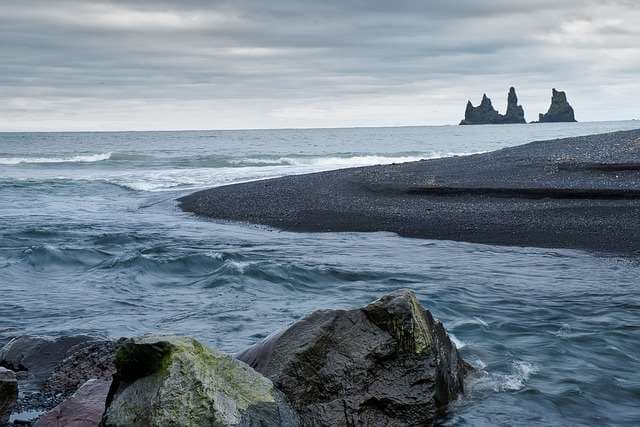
(38, 355)
(83, 409)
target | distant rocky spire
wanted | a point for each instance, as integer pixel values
(486, 114)
(515, 112)
(559, 111)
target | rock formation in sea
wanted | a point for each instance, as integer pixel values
(560, 109)
(515, 112)
(388, 363)
(352, 367)
(486, 114)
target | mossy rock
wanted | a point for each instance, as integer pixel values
(176, 381)
(388, 363)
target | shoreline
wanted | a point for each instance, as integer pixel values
(579, 193)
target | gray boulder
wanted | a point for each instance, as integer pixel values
(560, 109)
(8, 393)
(387, 364)
(174, 381)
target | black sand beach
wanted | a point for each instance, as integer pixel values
(579, 192)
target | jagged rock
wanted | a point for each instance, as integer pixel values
(84, 409)
(389, 363)
(482, 114)
(559, 111)
(173, 381)
(486, 114)
(515, 112)
(38, 356)
(8, 393)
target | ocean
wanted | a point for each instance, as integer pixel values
(92, 241)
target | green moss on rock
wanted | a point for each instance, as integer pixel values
(177, 381)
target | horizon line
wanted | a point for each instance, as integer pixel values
(293, 128)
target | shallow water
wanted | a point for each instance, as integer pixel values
(91, 241)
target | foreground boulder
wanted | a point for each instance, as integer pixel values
(389, 363)
(173, 381)
(560, 109)
(38, 356)
(8, 393)
(49, 370)
(485, 114)
(83, 409)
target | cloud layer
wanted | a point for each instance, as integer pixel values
(181, 64)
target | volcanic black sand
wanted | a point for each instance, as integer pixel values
(579, 192)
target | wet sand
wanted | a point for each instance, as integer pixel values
(579, 192)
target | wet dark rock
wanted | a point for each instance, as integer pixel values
(486, 114)
(175, 381)
(49, 370)
(559, 111)
(8, 393)
(83, 409)
(389, 363)
(38, 356)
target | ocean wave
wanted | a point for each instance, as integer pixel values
(341, 161)
(87, 158)
(178, 174)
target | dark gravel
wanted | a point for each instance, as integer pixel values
(579, 192)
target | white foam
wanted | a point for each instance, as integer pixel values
(338, 162)
(459, 343)
(516, 380)
(195, 178)
(71, 159)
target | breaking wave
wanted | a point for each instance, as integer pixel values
(87, 158)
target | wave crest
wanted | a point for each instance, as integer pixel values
(87, 158)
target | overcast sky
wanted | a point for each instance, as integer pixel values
(196, 64)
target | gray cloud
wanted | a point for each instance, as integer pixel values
(136, 64)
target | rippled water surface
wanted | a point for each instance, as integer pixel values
(91, 241)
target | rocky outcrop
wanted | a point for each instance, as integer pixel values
(83, 409)
(8, 393)
(389, 363)
(173, 381)
(486, 114)
(560, 109)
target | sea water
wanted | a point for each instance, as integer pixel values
(92, 241)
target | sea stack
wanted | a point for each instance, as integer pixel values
(559, 111)
(486, 114)
(515, 112)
